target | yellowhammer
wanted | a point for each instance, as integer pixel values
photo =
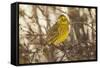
(59, 31)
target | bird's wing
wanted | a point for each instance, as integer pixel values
(52, 32)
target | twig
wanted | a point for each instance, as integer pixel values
(61, 11)
(62, 57)
(84, 24)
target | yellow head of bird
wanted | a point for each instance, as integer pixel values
(62, 19)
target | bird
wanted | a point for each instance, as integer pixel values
(59, 32)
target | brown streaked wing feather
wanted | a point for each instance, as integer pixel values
(52, 32)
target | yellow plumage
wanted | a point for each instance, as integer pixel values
(59, 31)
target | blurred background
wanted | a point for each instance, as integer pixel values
(34, 22)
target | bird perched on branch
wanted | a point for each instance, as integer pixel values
(59, 31)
